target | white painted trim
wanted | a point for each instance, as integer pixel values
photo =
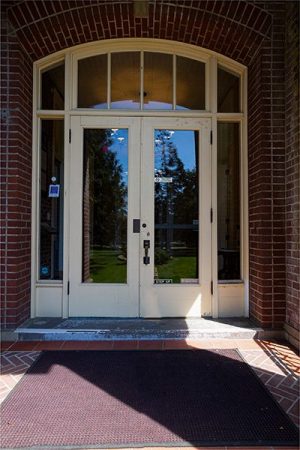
(73, 72)
(67, 151)
(214, 187)
(142, 79)
(245, 198)
(50, 114)
(137, 113)
(37, 197)
(139, 44)
(108, 81)
(210, 94)
(174, 80)
(229, 117)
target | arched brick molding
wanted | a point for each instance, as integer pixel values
(251, 33)
(235, 30)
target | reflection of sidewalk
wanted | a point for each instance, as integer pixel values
(276, 364)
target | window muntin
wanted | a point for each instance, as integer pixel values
(53, 87)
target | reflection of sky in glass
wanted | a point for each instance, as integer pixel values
(184, 141)
(99, 106)
(125, 104)
(119, 146)
(157, 105)
(130, 104)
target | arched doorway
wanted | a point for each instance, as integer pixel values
(143, 142)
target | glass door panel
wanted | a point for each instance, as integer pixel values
(176, 196)
(105, 205)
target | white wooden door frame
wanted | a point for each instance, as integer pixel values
(105, 299)
(140, 296)
(176, 300)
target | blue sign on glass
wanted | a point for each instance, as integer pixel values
(54, 190)
(45, 270)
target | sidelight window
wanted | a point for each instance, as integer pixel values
(51, 200)
(228, 201)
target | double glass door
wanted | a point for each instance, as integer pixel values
(140, 231)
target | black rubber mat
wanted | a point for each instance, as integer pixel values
(93, 398)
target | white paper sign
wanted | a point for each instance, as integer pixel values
(163, 281)
(163, 180)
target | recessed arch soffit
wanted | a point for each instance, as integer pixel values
(234, 29)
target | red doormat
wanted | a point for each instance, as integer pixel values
(135, 398)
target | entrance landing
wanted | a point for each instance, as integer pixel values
(52, 329)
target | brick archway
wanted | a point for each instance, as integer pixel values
(236, 31)
(249, 32)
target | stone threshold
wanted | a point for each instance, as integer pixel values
(100, 329)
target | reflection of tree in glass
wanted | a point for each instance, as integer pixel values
(186, 204)
(108, 192)
(176, 202)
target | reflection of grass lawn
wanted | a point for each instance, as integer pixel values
(178, 267)
(105, 267)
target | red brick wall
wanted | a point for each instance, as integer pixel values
(292, 172)
(16, 126)
(267, 175)
(251, 33)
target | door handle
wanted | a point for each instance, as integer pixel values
(146, 258)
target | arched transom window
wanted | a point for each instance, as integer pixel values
(142, 81)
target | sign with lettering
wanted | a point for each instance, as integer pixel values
(163, 180)
(163, 281)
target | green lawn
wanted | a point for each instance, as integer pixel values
(178, 267)
(105, 267)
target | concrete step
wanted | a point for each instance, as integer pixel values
(75, 329)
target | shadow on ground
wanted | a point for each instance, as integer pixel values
(199, 397)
